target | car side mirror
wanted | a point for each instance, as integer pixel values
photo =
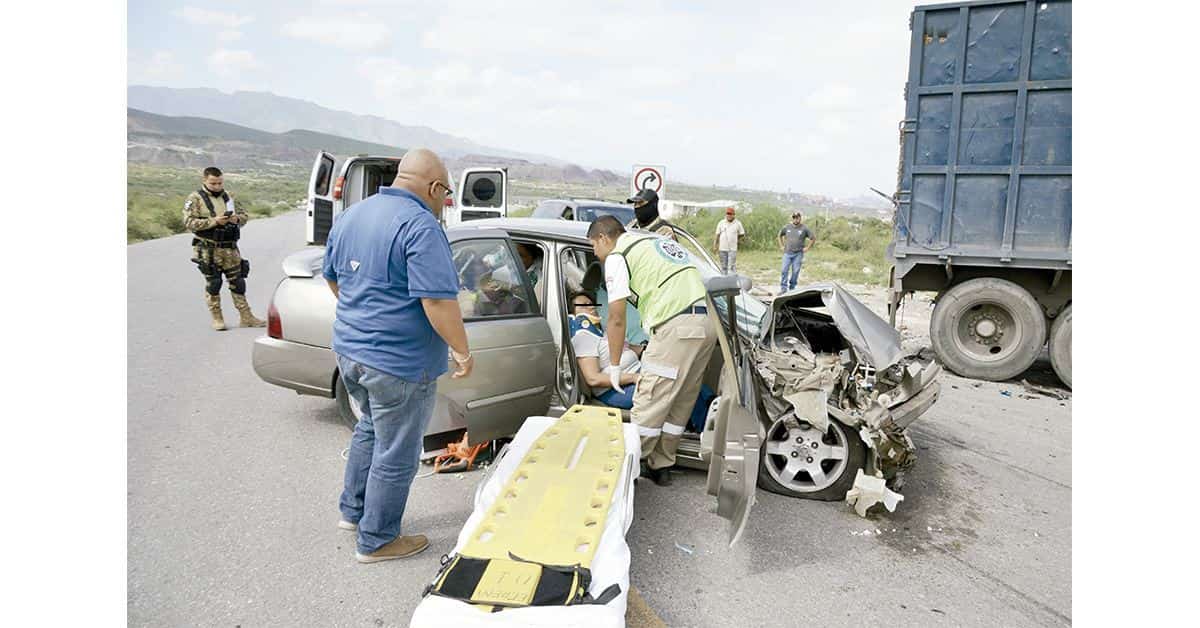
(726, 285)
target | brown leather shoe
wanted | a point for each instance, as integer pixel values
(402, 547)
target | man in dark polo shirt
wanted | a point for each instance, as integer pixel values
(791, 240)
(388, 263)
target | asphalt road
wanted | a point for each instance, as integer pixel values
(233, 486)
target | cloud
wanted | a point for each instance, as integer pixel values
(205, 17)
(227, 37)
(362, 33)
(833, 96)
(159, 66)
(232, 63)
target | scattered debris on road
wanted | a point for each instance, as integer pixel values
(868, 491)
(1045, 391)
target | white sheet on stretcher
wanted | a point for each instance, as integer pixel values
(610, 564)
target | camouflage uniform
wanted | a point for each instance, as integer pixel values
(217, 259)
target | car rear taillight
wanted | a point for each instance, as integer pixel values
(337, 188)
(274, 326)
(449, 201)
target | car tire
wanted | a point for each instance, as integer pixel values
(988, 328)
(1060, 346)
(835, 488)
(346, 409)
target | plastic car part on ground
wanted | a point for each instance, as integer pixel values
(459, 456)
(868, 491)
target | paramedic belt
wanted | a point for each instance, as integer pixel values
(691, 309)
(513, 582)
(212, 244)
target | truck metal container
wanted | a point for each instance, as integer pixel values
(983, 201)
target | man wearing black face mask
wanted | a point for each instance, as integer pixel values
(645, 208)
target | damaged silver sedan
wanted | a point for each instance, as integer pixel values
(814, 390)
(826, 392)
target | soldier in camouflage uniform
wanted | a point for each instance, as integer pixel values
(211, 214)
(645, 208)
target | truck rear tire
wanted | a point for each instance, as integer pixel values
(1060, 346)
(987, 328)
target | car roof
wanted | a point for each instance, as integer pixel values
(585, 201)
(555, 228)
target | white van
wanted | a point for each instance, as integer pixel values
(480, 193)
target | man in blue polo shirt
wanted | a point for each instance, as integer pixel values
(388, 263)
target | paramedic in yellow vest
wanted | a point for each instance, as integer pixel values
(657, 276)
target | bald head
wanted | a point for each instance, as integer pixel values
(422, 172)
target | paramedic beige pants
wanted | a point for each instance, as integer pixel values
(673, 366)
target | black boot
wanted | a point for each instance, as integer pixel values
(661, 477)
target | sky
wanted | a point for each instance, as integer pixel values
(802, 96)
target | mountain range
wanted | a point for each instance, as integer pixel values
(193, 142)
(280, 114)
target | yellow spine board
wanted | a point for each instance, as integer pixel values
(553, 508)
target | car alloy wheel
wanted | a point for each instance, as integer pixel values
(802, 459)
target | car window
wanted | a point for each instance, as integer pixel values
(548, 209)
(588, 213)
(751, 311)
(492, 283)
(532, 257)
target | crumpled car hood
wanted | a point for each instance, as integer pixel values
(873, 339)
(808, 382)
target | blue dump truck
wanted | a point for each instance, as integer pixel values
(983, 200)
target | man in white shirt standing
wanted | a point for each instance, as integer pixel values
(729, 234)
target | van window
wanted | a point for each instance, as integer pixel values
(324, 175)
(483, 189)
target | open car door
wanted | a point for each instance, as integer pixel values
(320, 200)
(508, 334)
(734, 431)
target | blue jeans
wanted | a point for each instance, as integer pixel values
(624, 400)
(384, 451)
(790, 261)
(613, 399)
(728, 260)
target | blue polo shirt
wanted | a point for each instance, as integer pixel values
(386, 253)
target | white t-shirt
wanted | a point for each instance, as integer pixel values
(589, 345)
(616, 278)
(727, 234)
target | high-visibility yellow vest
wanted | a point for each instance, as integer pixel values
(662, 277)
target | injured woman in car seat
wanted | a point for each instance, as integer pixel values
(593, 357)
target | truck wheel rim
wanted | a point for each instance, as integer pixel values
(804, 460)
(988, 332)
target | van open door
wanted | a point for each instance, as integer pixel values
(482, 193)
(734, 431)
(320, 200)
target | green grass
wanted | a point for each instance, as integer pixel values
(845, 247)
(156, 193)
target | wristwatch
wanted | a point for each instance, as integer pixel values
(463, 360)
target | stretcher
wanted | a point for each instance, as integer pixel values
(607, 560)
